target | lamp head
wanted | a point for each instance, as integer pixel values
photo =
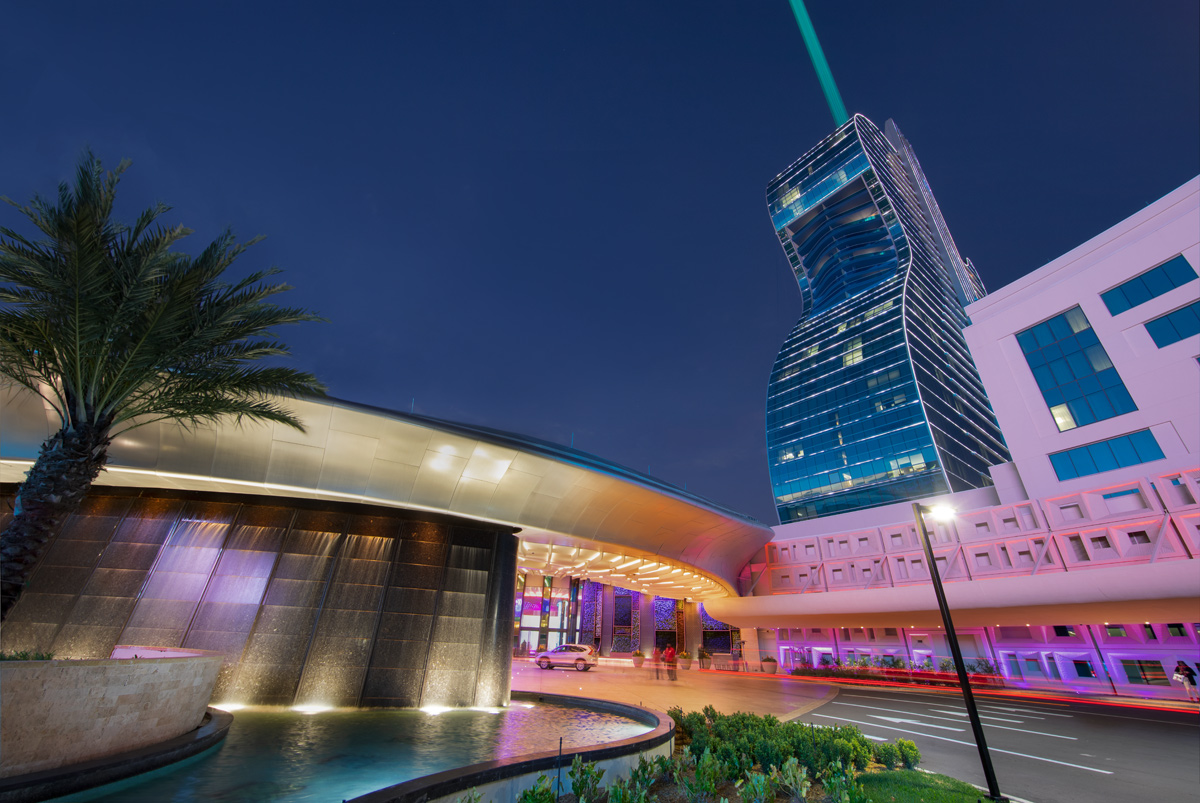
(941, 513)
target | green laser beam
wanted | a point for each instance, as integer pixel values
(832, 96)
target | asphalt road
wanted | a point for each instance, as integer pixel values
(1043, 752)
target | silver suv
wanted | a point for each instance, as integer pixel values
(581, 656)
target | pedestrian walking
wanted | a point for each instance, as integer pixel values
(656, 660)
(669, 658)
(1187, 676)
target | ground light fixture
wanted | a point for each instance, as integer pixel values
(944, 514)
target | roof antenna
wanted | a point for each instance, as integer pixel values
(832, 96)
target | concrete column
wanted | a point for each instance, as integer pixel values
(607, 611)
(647, 629)
(750, 650)
(768, 644)
(692, 626)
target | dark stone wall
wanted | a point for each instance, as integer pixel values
(311, 603)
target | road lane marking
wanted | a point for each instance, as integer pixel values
(969, 744)
(981, 716)
(948, 719)
(895, 711)
(1013, 710)
(915, 722)
(875, 738)
(1138, 719)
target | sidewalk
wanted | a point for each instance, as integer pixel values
(639, 686)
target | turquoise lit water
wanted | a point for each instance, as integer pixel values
(281, 755)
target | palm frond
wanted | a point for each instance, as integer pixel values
(110, 324)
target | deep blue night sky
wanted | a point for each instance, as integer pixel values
(549, 217)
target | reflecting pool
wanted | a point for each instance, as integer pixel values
(276, 754)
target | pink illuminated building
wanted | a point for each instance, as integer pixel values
(1079, 566)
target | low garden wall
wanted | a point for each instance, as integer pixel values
(57, 713)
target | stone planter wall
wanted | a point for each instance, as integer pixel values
(57, 713)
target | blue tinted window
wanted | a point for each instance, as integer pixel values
(1073, 371)
(1125, 450)
(1147, 447)
(1151, 284)
(1084, 464)
(1175, 326)
(1063, 466)
(1179, 271)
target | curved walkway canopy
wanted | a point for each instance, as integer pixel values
(577, 514)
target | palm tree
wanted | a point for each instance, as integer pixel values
(115, 330)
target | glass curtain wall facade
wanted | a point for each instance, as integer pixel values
(873, 398)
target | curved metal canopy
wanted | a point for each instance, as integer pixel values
(578, 514)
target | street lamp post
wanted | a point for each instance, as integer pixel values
(968, 697)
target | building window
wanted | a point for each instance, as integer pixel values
(1151, 284)
(1064, 631)
(852, 353)
(1094, 458)
(1149, 673)
(1175, 326)
(1015, 633)
(1115, 630)
(1073, 371)
(1083, 668)
(1176, 630)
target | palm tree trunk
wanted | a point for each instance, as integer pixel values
(53, 489)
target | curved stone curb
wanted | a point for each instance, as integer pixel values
(60, 781)
(457, 781)
(827, 697)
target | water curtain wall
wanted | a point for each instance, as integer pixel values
(316, 604)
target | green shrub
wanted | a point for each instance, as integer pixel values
(887, 755)
(474, 796)
(585, 780)
(540, 792)
(840, 786)
(843, 752)
(984, 667)
(860, 754)
(693, 724)
(697, 787)
(26, 655)
(909, 753)
(727, 754)
(646, 772)
(758, 788)
(771, 753)
(628, 792)
(711, 772)
(792, 779)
